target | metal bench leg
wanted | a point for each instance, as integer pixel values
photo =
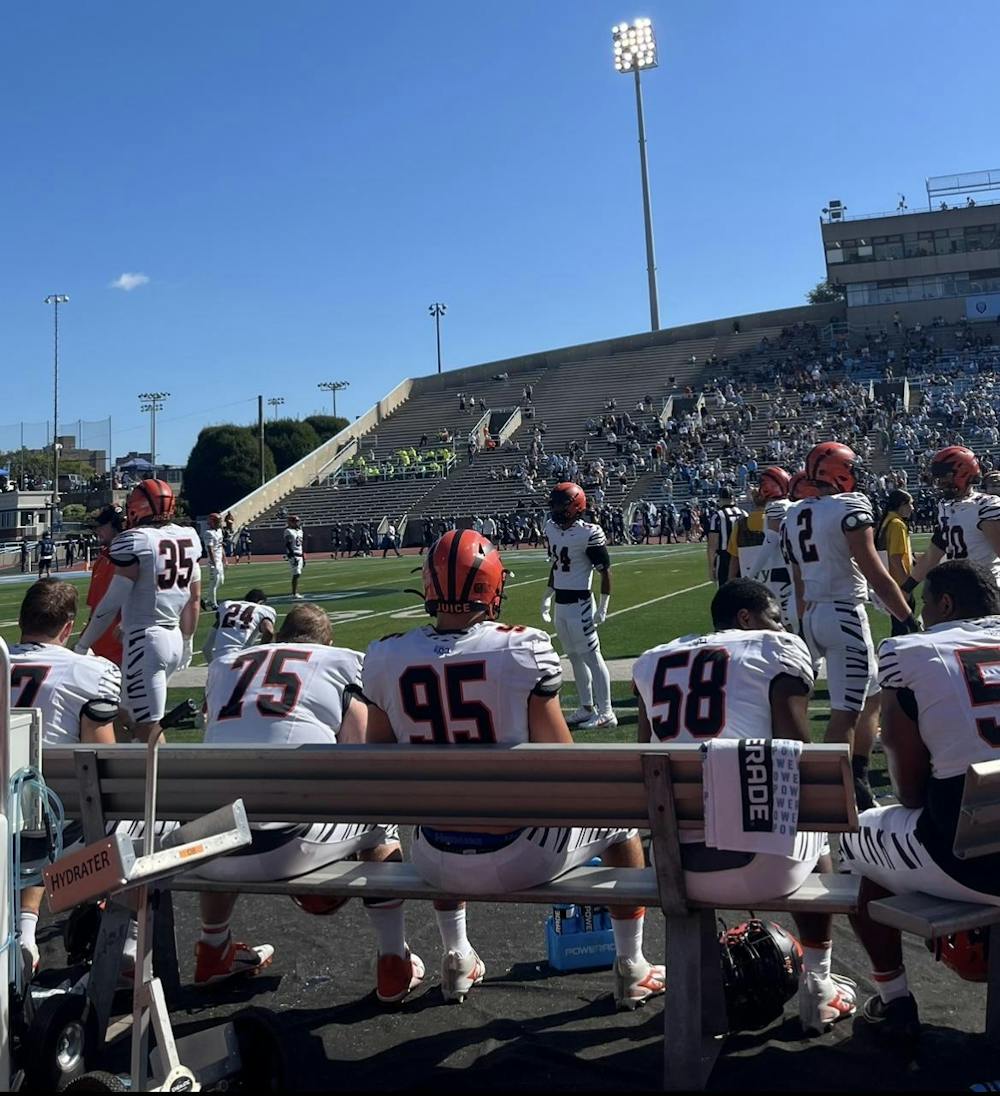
(713, 1000)
(165, 964)
(993, 988)
(691, 1013)
(107, 963)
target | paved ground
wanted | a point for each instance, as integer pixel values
(528, 1029)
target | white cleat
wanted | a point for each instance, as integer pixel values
(597, 720)
(459, 973)
(579, 716)
(824, 1001)
(635, 983)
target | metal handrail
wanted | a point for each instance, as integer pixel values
(827, 220)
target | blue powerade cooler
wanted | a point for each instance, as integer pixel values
(580, 938)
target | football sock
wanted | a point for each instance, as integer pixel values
(387, 920)
(451, 925)
(891, 984)
(816, 959)
(27, 924)
(628, 936)
(215, 935)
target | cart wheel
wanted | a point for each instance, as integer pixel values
(98, 1081)
(80, 933)
(59, 1040)
(264, 1065)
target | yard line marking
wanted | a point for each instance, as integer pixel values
(663, 597)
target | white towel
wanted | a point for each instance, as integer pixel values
(751, 791)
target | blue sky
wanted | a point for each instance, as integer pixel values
(299, 181)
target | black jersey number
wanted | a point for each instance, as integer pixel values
(30, 679)
(178, 563)
(807, 550)
(287, 684)
(560, 558)
(237, 618)
(423, 702)
(957, 548)
(700, 706)
(982, 692)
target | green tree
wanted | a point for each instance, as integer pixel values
(825, 293)
(74, 512)
(289, 440)
(326, 425)
(223, 467)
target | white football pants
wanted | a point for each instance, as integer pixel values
(578, 635)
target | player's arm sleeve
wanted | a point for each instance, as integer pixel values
(599, 557)
(859, 516)
(989, 509)
(104, 706)
(792, 658)
(893, 664)
(537, 659)
(124, 550)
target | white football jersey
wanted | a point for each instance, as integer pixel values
(278, 694)
(959, 529)
(293, 542)
(237, 625)
(65, 686)
(470, 686)
(213, 547)
(718, 685)
(575, 553)
(813, 536)
(168, 563)
(953, 672)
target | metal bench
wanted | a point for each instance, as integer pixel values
(530, 785)
(924, 915)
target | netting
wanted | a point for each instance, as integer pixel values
(84, 433)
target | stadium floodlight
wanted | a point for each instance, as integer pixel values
(437, 310)
(276, 402)
(634, 46)
(55, 299)
(152, 402)
(333, 387)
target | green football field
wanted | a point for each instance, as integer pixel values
(658, 594)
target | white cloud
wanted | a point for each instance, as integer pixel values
(128, 282)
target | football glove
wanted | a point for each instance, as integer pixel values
(186, 653)
(910, 625)
(547, 606)
(601, 614)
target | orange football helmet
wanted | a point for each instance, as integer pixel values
(799, 487)
(773, 484)
(214, 521)
(567, 502)
(833, 465)
(151, 500)
(463, 572)
(960, 463)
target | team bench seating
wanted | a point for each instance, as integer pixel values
(978, 833)
(658, 789)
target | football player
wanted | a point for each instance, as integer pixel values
(214, 540)
(78, 696)
(747, 679)
(156, 586)
(466, 678)
(968, 522)
(750, 531)
(46, 555)
(940, 713)
(830, 542)
(773, 569)
(294, 553)
(315, 701)
(240, 624)
(577, 548)
(109, 523)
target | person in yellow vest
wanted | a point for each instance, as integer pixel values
(748, 531)
(893, 538)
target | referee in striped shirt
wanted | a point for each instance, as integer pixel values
(723, 521)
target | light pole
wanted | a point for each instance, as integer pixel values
(437, 310)
(333, 387)
(55, 299)
(276, 402)
(154, 403)
(635, 50)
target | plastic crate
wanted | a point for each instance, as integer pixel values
(576, 947)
